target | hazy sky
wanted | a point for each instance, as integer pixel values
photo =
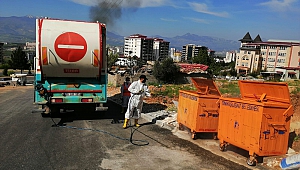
(229, 19)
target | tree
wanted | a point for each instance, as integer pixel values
(232, 69)
(214, 67)
(202, 57)
(5, 73)
(19, 60)
(112, 58)
(166, 71)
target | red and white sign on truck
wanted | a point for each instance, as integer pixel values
(73, 48)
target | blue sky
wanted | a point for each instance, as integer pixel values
(229, 19)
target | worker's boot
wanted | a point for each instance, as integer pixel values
(125, 123)
(136, 123)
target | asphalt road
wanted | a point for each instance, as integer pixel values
(29, 141)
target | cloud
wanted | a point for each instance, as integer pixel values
(198, 20)
(279, 5)
(202, 8)
(169, 20)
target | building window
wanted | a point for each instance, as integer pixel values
(299, 53)
(282, 54)
(271, 59)
(263, 53)
(282, 48)
(281, 60)
(272, 53)
(245, 52)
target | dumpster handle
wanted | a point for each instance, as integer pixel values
(262, 97)
(288, 112)
(278, 126)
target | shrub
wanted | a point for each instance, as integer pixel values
(10, 72)
(166, 71)
(5, 71)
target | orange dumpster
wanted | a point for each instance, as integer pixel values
(259, 121)
(198, 110)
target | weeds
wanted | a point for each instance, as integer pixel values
(296, 138)
(171, 91)
(231, 88)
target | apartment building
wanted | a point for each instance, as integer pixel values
(189, 51)
(144, 48)
(230, 56)
(256, 55)
(161, 49)
(30, 46)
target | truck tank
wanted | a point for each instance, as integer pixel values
(70, 65)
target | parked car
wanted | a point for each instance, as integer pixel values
(5, 81)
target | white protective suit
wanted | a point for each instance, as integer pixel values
(138, 91)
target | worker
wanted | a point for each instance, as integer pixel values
(125, 94)
(138, 90)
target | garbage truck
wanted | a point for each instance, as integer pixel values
(70, 66)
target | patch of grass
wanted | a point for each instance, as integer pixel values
(296, 138)
(110, 85)
(295, 84)
(296, 90)
(231, 88)
(172, 108)
(172, 91)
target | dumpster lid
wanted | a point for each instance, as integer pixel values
(265, 91)
(206, 86)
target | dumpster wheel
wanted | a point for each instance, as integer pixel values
(222, 147)
(180, 126)
(194, 135)
(215, 136)
(251, 161)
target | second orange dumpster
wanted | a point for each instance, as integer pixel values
(258, 122)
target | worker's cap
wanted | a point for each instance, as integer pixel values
(143, 76)
(127, 79)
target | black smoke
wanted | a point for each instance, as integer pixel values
(109, 11)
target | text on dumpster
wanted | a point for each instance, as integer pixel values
(241, 106)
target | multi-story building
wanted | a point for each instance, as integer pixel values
(30, 46)
(256, 56)
(230, 56)
(1, 52)
(161, 49)
(177, 56)
(144, 48)
(189, 51)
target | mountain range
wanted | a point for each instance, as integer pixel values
(22, 29)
